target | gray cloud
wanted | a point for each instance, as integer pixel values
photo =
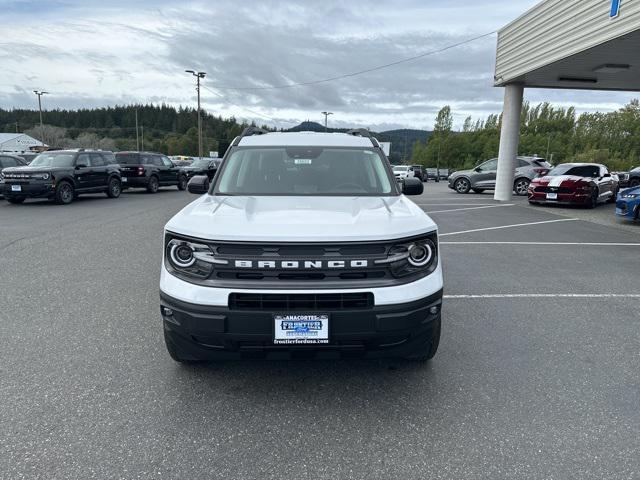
(89, 54)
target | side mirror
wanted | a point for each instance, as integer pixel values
(607, 175)
(198, 184)
(477, 169)
(412, 186)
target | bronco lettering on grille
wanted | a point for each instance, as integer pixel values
(305, 264)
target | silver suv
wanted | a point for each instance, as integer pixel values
(483, 177)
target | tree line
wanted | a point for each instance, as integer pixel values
(555, 133)
(162, 128)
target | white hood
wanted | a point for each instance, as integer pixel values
(301, 219)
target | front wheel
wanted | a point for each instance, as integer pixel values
(521, 186)
(182, 182)
(429, 349)
(634, 182)
(64, 193)
(462, 185)
(114, 189)
(593, 200)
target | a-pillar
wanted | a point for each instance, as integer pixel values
(509, 139)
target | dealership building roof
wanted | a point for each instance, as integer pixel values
(563, 44)
(18, 142)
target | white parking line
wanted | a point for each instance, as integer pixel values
(545, 295)
(453, 204)
(472, 208)
(509, 226)
(467, 199)
(585, 244)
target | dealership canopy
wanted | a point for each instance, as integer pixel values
(563, 44)
(18, 143)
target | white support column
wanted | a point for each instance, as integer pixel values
(509, 139)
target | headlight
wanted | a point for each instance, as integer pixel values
(420, 254)
(631, 195)
(414, 257)
(40, 176)
(191, 259)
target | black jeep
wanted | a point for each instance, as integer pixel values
(62, 175)
(150, 170)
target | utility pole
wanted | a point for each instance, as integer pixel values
(17, 127)
(548, 147)
(326, 116)
(39, 94)
(137, 139)
(142, 136)
(198, 76)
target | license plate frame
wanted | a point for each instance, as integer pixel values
(16, 188)
(124, 179)
(301, 329)
(552, 196)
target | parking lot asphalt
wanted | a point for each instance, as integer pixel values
(536, 376)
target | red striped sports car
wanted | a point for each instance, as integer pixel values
(575, 183)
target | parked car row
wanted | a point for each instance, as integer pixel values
(63, 175)
(587, 184)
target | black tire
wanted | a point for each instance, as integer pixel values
(428, 351)
(175, 353)
(478, 190)
(182, 182)
(462, 185)
(65, 193)
(114, 189)
(614, 197)
(153, 185)
(521, 186)
(15, 200)
(634, 182)
(593, 200)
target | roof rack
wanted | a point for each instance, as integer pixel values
(248, 132)
(363, 132)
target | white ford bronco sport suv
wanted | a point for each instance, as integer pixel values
(302, 246)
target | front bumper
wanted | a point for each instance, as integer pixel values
(563, 198)
(629, 209)
(28, 189)
(219, 333)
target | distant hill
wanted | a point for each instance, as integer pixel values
(315, 127)
(402, 140)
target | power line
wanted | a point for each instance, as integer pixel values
(242, 108)
(361, 72)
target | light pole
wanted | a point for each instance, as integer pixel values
(39, 94)
(198, 76)
(326, 116)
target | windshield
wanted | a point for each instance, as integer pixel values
(127, 158)
(305, 171)
(53, 160)
(400, 169)
(201, 163)
(590, 171)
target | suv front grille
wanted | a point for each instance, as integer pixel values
(300, 302)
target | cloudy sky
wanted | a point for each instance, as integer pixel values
(89, 53)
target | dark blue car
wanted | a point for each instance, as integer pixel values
(628, 204)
